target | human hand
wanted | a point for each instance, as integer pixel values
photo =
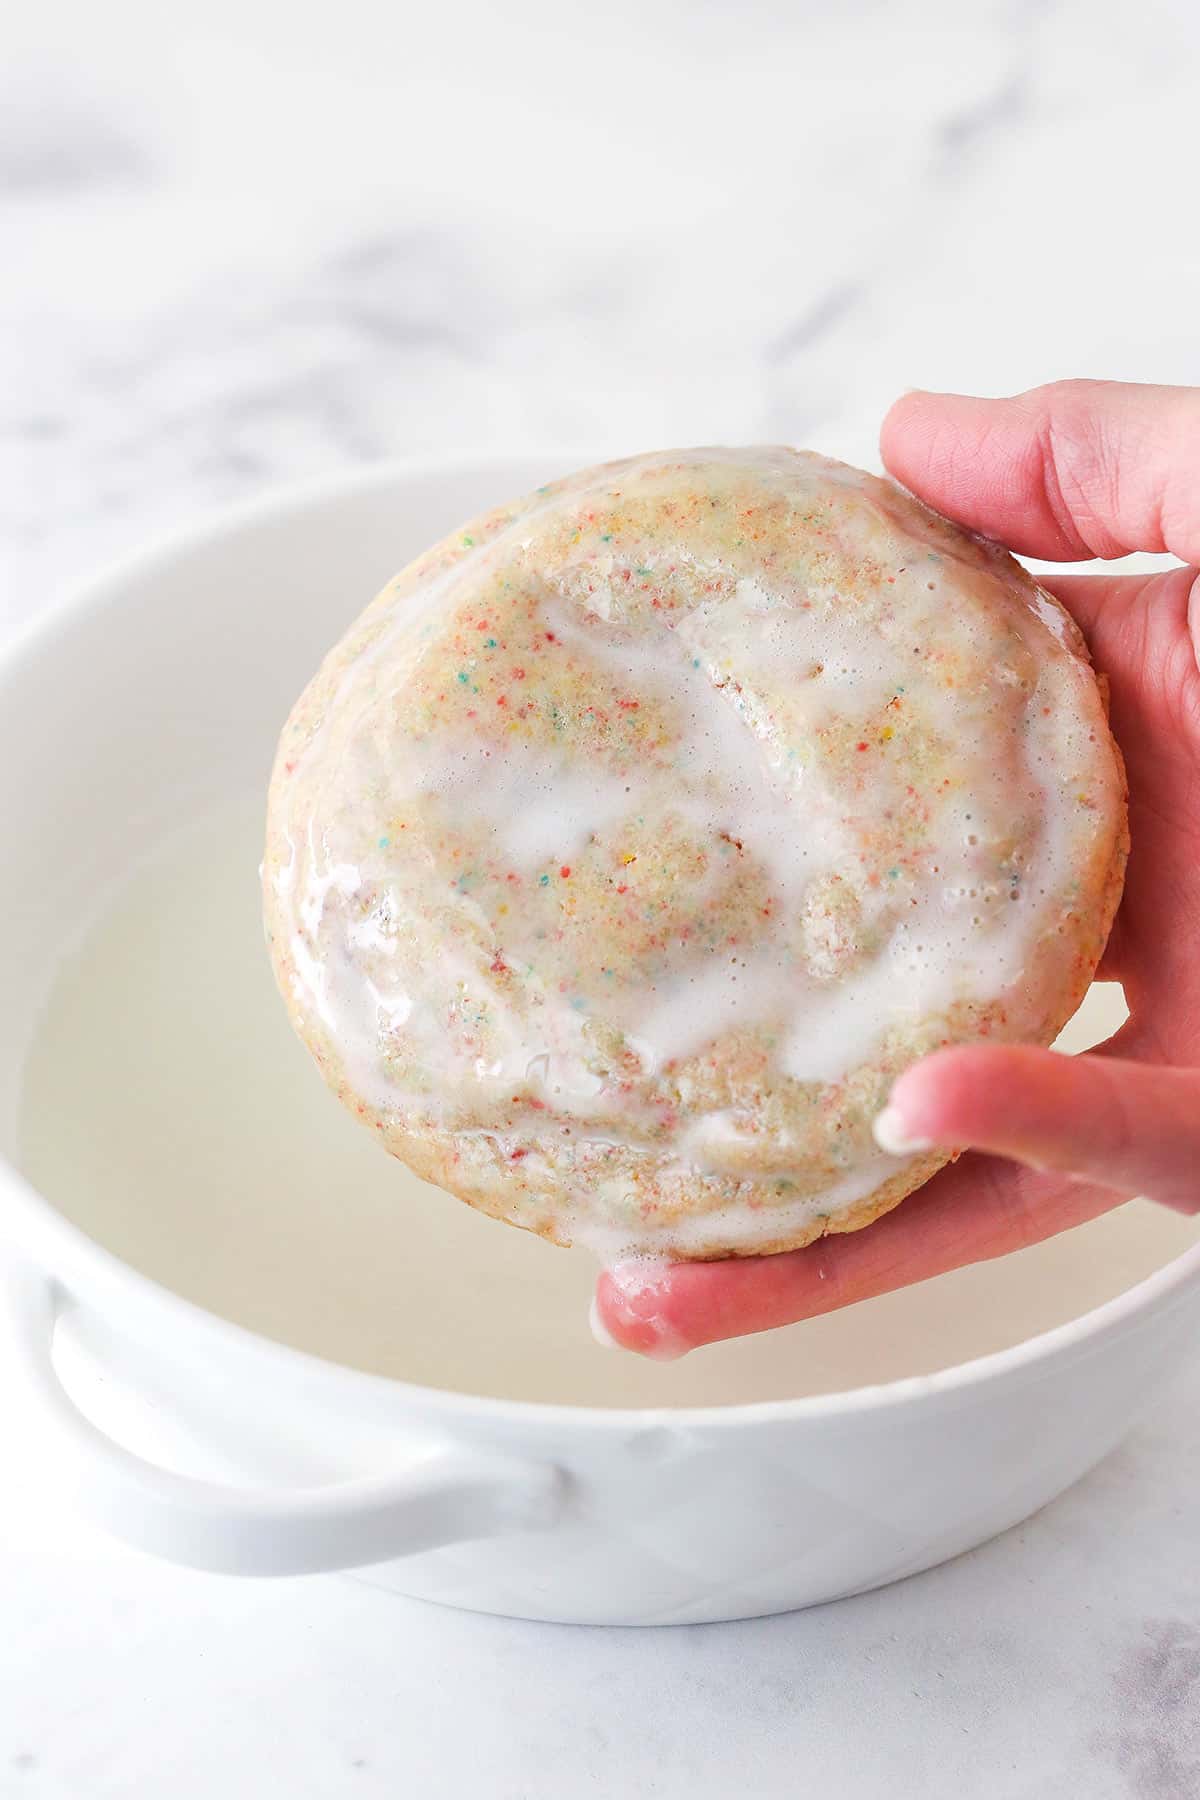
(1073, 470)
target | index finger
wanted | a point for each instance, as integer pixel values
(1072, 470)
(978, 1208)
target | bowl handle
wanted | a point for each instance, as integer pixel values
(439, 1497)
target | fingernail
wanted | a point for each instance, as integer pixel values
(600, 1331)
(892, 1134)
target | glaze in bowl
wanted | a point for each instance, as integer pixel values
(146, 701)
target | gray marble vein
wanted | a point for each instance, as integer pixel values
(247, 244)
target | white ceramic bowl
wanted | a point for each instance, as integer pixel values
(153, 695)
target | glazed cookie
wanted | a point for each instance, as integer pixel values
(639, 834)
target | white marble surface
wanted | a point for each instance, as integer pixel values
(253, 241)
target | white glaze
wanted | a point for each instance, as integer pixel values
(442, 1004)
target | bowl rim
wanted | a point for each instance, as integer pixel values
(33, 1226)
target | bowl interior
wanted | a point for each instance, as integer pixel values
(159, 1100)
(163, 688)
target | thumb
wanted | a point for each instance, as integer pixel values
(1128, 1126)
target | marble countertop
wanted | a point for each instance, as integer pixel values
(254, 242)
